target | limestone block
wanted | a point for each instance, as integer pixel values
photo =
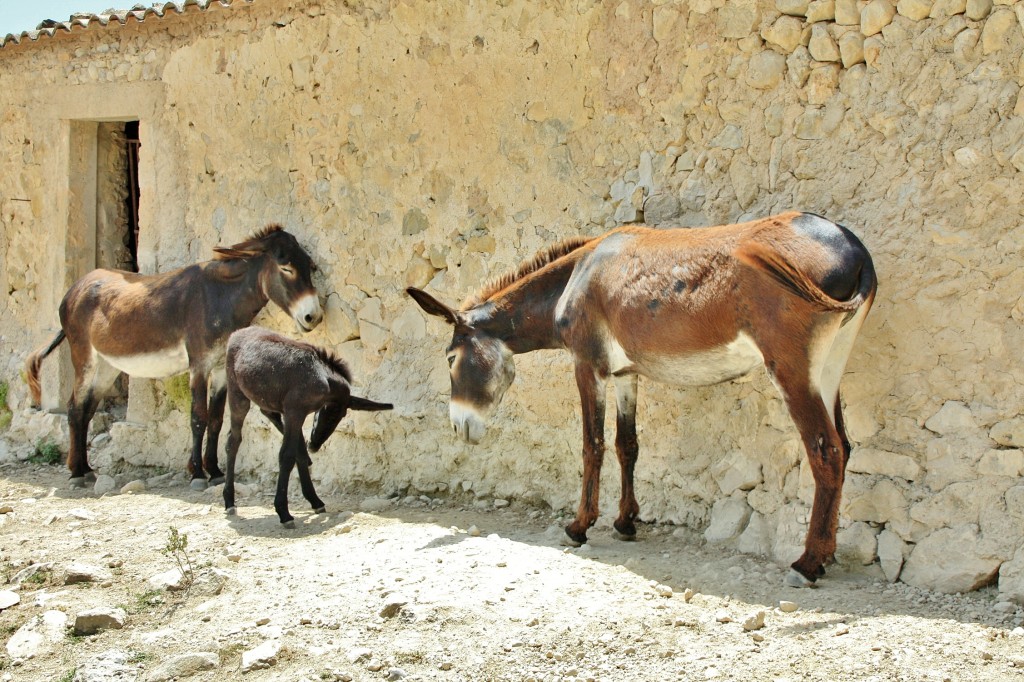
(955, 504)
(1001, 28)
(871, 461)
(877, 503)
(736, 471)
(790, 532)
(947, 462)
(1011, 578)
(785, 33)
(942, 9)
(410, 325)
(892, 552)
(728, 519)
(822, 84)
(766, 70)
(952, 417)
(822, 46)
(978, 9)
(667, 24)
(821, 10)
(661, 209)
(372, 330)
(914, 9)
(738, 18)
(796, 8)
(848, 13)
(1002, 463)
(342, 323)
(857, 545)
(875, 16)
(851, 49)
(798, 67)
(1010, 432)
(756, 537)
(810, 125)
(951, 560)
(872, 50)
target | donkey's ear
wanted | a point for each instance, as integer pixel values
(233, 253)
(433, 306)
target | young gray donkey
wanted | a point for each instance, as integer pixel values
(287, 380)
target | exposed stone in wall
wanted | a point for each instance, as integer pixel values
(438, 144)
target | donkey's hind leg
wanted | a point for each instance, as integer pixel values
(827, 457)
(627, 449)
(94, 377)
(218, 396)
(239, 409)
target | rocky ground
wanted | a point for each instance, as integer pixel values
(417, 588)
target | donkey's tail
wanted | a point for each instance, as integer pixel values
(783, 271)
(355, 403)
(34, 362)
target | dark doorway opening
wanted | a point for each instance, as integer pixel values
(132, 144)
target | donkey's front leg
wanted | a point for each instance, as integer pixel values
(286, 462)
(200, 418)
(592, 409)
(627, 449)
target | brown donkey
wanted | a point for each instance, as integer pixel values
(687, 307)
(160, 325)
(287, 380)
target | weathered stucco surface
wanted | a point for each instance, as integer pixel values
(439, 143)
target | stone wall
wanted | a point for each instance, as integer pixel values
(440, 143)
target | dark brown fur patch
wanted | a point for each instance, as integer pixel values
(539, 260)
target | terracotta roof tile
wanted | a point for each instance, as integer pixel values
(138, 13)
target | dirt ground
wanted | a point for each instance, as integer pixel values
(417, 588)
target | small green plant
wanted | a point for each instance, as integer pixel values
(47, 452)
(5, 412)
(68, 676)
(177, 547)
(145, 600)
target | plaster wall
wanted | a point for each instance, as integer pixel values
(438, 144)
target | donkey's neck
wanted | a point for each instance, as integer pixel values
(523, 314)
(241, 284)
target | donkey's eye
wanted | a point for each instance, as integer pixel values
(451, 360)
(288, 270)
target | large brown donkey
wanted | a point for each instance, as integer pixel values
(287, 380)
(687, 307)
(160, 325)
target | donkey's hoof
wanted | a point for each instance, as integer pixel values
(198, 484)
(231, 511)
(320, 510)
(795, 579)
(216, 480)
(77, 482)
(290, 524)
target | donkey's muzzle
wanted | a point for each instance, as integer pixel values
(307, 312)
(467, 423)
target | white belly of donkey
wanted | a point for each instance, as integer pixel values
(159, 365)
(733, 360)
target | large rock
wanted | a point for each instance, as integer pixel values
(728, 519)
(1001, 32)
(1002, 463)
(766, 70)
(263, 656)
(184, 665)
(953, 417)
(915, 10)
(951, 560)
(113, 665)
(1009, 433)
(883, 462)
(823, 46)
(78, 572)
(877, 503)
(856, 545)
(892, 552)
(785, 33)
(875, 16)
(41, 633)
(736, 471)
(91, 621)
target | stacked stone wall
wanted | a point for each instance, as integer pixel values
(436, 144)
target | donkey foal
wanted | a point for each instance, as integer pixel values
(287, 380)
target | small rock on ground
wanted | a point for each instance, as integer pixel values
(103, 618)
(184, 666)
(263, 656)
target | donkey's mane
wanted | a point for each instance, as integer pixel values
(333, 361)
(527, 267)
(257, 236)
